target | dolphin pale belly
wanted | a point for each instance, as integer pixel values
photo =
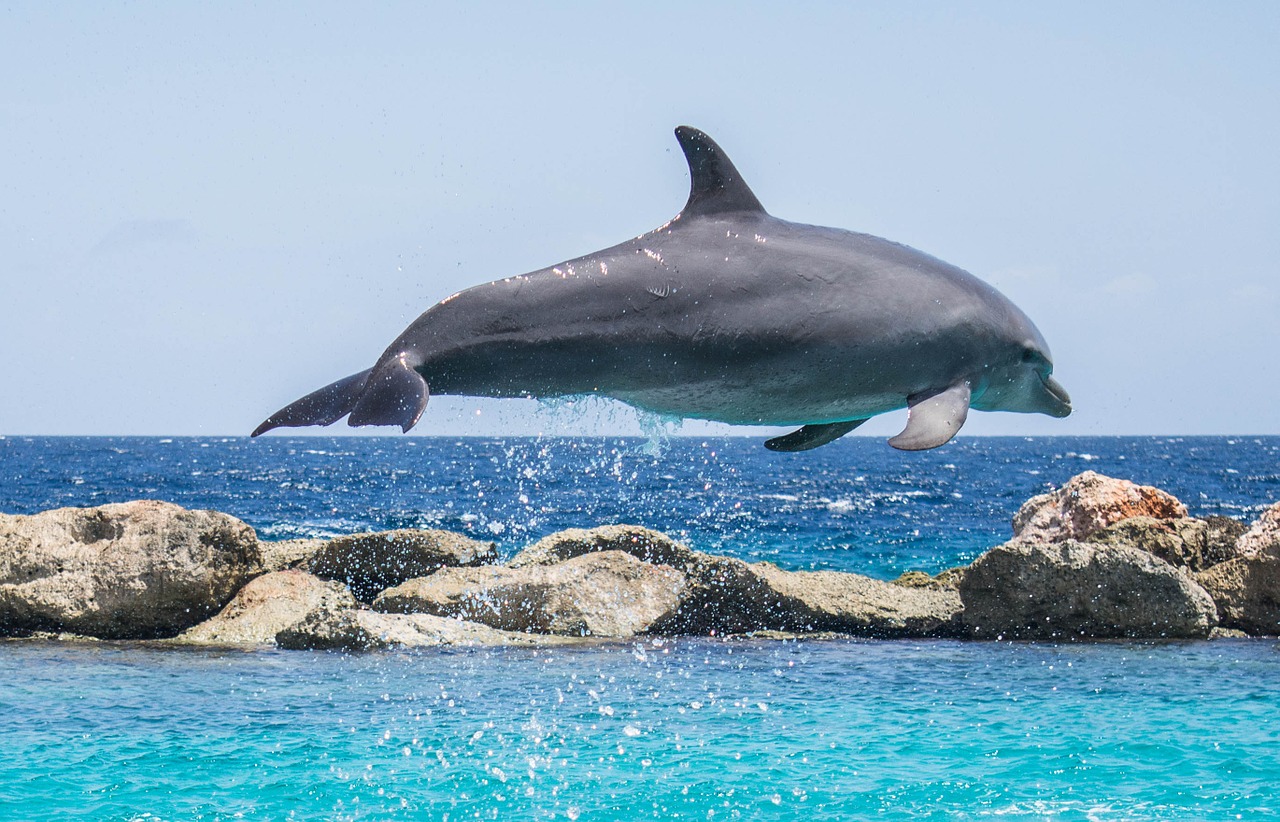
(725, 313)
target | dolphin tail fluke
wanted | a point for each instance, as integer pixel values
(322, 407)
(393, 394)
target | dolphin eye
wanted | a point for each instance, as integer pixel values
(1030, 355)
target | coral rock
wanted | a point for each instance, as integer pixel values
(1088, 503)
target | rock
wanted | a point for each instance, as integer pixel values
(1088, 503)
(1246, 591)
(1246, 588)
(370, 563)
(1075, 590)
(606, 594)
(359, 630)
(855, 604)
(721, 594)
(1194, 544)
(642, 543)
(725, 595)
(947, 580)
(288, 553)
(1227, 633)
(134, 570)
(1263, 537)
(268, 605)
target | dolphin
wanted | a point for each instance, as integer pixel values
(723, 313)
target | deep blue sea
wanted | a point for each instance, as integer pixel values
(656, 729)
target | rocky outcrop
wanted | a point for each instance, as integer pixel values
(267, 606)
(283, 554)
(1075, 590)
(370, 563)
(853, 604)
(947, 580)
(642, 543)
(606, 594)
(1099, 558)
(1194, 544)
(1263, 537)
(360, 630)
(1247, 587)
(134, 570)
(1247, 594)
(1088, 503)
(724, 595)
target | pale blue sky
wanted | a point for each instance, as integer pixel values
(208, 211)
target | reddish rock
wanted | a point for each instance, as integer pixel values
(1088, 503)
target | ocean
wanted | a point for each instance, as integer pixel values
(684, 728)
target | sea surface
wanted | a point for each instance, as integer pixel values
(689, 728)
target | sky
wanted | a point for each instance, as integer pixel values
(208, 210)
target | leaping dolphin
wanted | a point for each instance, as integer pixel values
(724, 313)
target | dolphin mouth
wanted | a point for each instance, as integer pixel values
(1058, 400)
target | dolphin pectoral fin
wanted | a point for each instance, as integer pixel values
(321, 407)
(812, 436)
(933, 419)
(394, 394)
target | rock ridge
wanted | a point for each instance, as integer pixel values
(1098, 558)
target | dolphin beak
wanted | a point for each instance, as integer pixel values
(1055, 400)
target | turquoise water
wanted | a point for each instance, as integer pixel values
(685, 729)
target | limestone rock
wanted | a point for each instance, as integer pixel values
(642, 543)
(1194, 544)
(359, 630)
(268, 605)
(606, 594)
(133, 570)
(947, 580)
(1263, 537)
(1247, 593)
(1088, 503)
(855, 604)
(725, 595)
(1075, 590)
(1247, 587)
(288, 553)
(370, 563)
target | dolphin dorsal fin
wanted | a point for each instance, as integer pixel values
(715, 185)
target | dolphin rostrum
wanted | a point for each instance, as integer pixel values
(724, 313)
